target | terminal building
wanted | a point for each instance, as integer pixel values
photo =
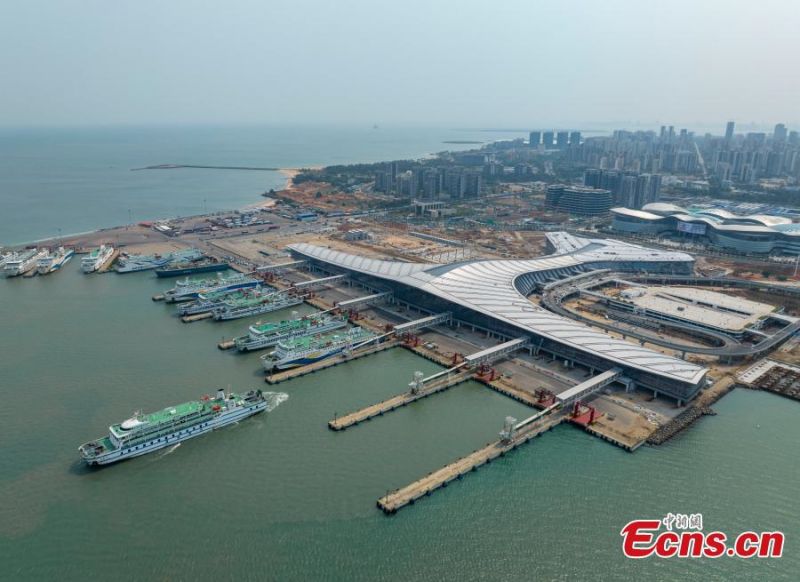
(492, 296)
(759, 233)
(578, 199)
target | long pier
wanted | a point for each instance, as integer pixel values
(328, 362)
(438, 384)
(398, 499)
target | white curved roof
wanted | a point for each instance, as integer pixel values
(663, 208)
(769, 220)
(636, 213)
(489, 287)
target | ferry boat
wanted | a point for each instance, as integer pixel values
(266, 335)
(254, 304)
(189, 289)
(191, 268)
(294, 352)
(145, 433)
(54, 260)
(22, 262)
(207, 302)
(135, 263)
(96, 259)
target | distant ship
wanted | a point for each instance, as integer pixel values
(20, 263)
(189, 289)
(135, 263)
(304, 350)
(96, 259)
(206, 302)
(54, 260)
(266, 335)
(145, 433)
(192, 268)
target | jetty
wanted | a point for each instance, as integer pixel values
(330, 362)
(439, 382)
(515, 437)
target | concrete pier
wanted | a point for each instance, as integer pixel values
(398, 499)
(328, 362)
(398, 401)
(197, 317)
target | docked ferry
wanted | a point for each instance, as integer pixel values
(266, 335)
(191, 268)
(96, 259)
(22, 262)
(253, 303)
(189, 289)
(206, 302)
(300, 351)
(136, 263)
(54, 260)
(145, 433)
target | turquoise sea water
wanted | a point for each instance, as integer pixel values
(280, 497)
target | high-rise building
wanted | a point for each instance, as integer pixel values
(628, 189)
(578, 199)
(729, 131)
(562, 139)
(547, 138)
(575, 138)
(779, 135)
(535, 138)
(473, 182)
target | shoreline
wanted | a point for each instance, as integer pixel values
(288, 173)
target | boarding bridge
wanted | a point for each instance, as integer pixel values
(423, 323)
(317, 283)
(359, 301)
(496, 352)
(280, 267)
(588, 387)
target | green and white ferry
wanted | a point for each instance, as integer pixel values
(307, 349)
(145, 433)
(266, 335)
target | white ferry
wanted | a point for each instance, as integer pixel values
(54, 260)
(22, 262)
(96, 259)
(145, 433)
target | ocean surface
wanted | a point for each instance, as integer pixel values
(73, 180)
(280, 497)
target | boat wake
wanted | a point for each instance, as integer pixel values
(275, 399)
(170, 449)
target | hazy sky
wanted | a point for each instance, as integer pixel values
(502, 63)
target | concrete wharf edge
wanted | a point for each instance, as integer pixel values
(397, 401)
(396, 500)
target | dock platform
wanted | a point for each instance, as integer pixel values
(197, 317)
(409, 494)
(106, 267)
(328, 363)
(398, 401)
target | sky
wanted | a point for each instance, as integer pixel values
(459, 63)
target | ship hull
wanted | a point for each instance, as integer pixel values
(253, 344)
(178, 437)
(192, 270)
(224, 315)
(270, 365)
(190, 295)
